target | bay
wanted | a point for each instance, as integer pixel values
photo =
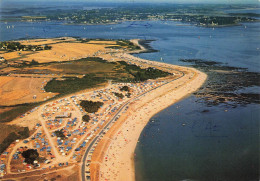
(183, 142)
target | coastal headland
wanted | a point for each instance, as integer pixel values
(113, 158)
(72, 140)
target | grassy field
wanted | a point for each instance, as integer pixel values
(116, 71)
(10, 133)
(6, 129)
(73, 84)
(83, 66)
(12, 112)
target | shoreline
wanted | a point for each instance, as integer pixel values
(144, 45)
(120, 141)
(113, 159)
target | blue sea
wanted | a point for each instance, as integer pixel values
(182, 142)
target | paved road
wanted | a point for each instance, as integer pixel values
(83, 177)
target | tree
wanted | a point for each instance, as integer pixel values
(46, 47)
(128, 95)
(30, 156)
(34, 62)
(8, 140)
(25, 133)
(125, 88)
(59, 133)
(91, 106)
(86, 118)
(119, 95)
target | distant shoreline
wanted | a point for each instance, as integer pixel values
(120, 22)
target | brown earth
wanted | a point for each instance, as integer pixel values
(19, 90)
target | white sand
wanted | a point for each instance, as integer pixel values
(118, 162)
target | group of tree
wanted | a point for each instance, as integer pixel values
(141, 75)
(12, 46)
(189, 14)
(86, 118)
(125, 88)
(12, 137)
(30, 156)
(130, 45)
(73, 84)
(90, 106)
(59, 133)
(128, 95)
(34, 62)
(119, 95)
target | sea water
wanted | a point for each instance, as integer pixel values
(185, 143)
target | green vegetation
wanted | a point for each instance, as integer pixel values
(143, 74)
(119, 95)
(99, 71)
(34, 17)
(16, 46)
(217, 20)
(46, 47)
(12, 137)
(202, 15)
(128, 44)
(86, 118)
(84, 66)
(25, 133)
(59, 133)
(73, 84)
(90, 106)
(128, 95)
(30, 156)
(245, 14)
(8, 140)
(15, 111)
(125, 88)
(33, 62)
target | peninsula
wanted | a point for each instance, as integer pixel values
(87, 104)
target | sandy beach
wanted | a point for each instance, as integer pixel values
(112, 156)
(113, 159)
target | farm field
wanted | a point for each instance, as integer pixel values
(25, 73)
(62, 49)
